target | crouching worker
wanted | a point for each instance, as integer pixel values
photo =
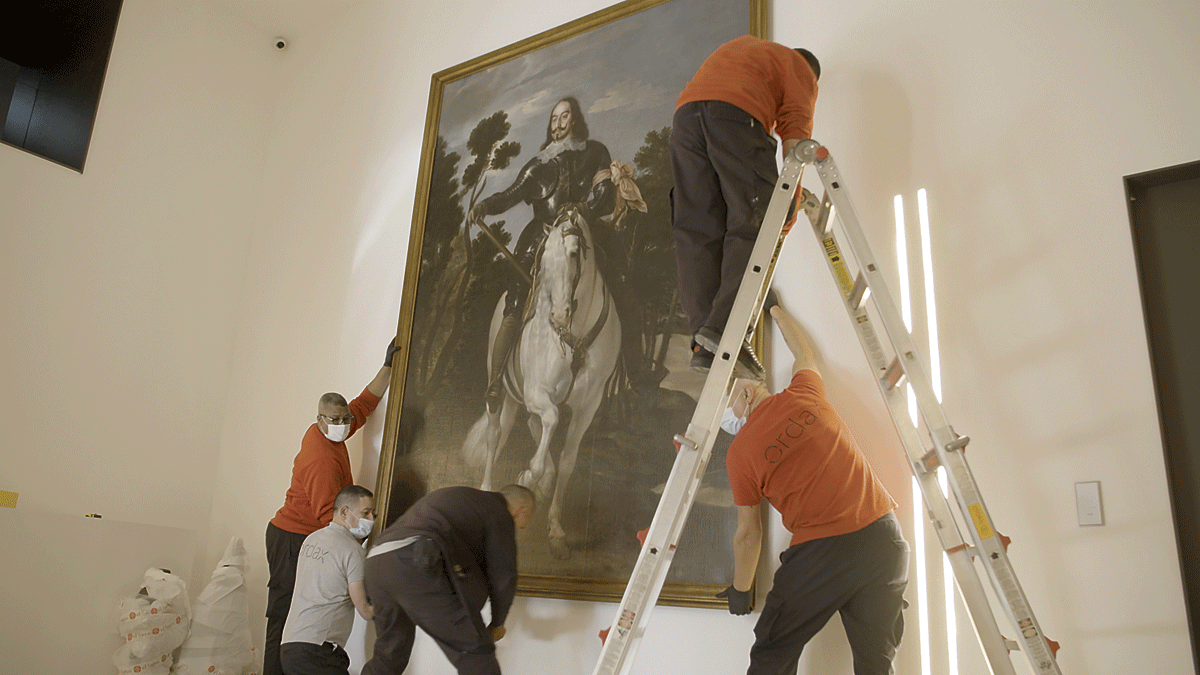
(329, 587)
(847, 553)
(436, 566)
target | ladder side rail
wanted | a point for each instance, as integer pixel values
(994, 557)
(653, 563)
(957, 551)
(761, 266)
(970, 500)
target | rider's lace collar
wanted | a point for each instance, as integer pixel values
(551, 151)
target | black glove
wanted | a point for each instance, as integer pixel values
(770, 301)
(391, 349)
(740, 602)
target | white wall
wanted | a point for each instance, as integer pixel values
(120, 286)
(212, 150)
(1003, 112)
(64, 576)
(1021, 119)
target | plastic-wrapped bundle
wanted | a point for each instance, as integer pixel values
(154, 622)
(220, 640)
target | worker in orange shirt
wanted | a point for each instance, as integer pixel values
(723, 159)
(320, 471)
(847, 554)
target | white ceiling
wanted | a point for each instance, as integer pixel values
(285, 18)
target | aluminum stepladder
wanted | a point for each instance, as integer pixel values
(891, 374)
(695, 445)
(896, 363)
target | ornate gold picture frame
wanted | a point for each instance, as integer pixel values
(543, 214)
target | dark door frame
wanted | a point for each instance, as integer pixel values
(1182, 462)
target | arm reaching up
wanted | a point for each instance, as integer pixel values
(796, 339)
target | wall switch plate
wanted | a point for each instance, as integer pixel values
(1087, 503)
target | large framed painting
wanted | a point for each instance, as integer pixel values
(543, 340)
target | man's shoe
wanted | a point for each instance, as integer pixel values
(708, 338)
(747, 365)
(701, 358)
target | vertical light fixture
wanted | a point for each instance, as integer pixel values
(918, 500)
(935, 359)
(935, 380)
(922, 578)
(905, 289)
(950, 591)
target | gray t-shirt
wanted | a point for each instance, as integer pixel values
(330, 560)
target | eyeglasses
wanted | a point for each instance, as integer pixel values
(343, 419)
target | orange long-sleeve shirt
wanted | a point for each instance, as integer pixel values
(320, 472)
(766, 79)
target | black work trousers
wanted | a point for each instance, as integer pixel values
(405, 594)
(303, 658)
(283, 550)
(861, 575)
(723, 163)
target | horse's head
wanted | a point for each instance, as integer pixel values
(563, 259)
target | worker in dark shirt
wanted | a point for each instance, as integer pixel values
(436, 566)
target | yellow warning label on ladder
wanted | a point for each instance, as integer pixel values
(839, 265)
(982, 526)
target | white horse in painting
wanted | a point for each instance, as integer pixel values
(566, 354)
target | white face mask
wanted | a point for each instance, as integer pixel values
(731, 423)
(363, 528)
(337, 432)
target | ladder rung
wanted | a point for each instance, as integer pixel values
(818, 213)
(894, 375)
(859, 293)
(930, 461)
(958, 443)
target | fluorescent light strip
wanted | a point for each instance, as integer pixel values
(902, 263)
(935, 379)
(951, 593)
(905, 289)
(918, 500)
(935, 360)
(922, 578)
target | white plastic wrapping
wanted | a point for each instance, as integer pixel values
(153, 623)
(219, 643)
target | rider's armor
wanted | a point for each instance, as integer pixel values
(546, 185)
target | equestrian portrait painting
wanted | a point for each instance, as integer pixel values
(545, 343)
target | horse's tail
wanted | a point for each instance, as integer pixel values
(474, 449)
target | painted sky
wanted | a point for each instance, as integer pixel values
(627, 76)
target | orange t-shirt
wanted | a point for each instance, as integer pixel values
(321, 470)
(796, 451)
(771, 82)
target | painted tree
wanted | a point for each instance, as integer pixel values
(447, 255)
(652, 250)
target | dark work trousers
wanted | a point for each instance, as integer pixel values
(303, 658)
(723, 162)
(404, 596)
(283, 550)
(862, 575)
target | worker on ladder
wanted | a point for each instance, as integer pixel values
(847, 553)
(723, 161)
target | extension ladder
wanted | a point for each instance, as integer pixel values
(895, 363)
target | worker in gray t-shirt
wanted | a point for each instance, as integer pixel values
(329, 586)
